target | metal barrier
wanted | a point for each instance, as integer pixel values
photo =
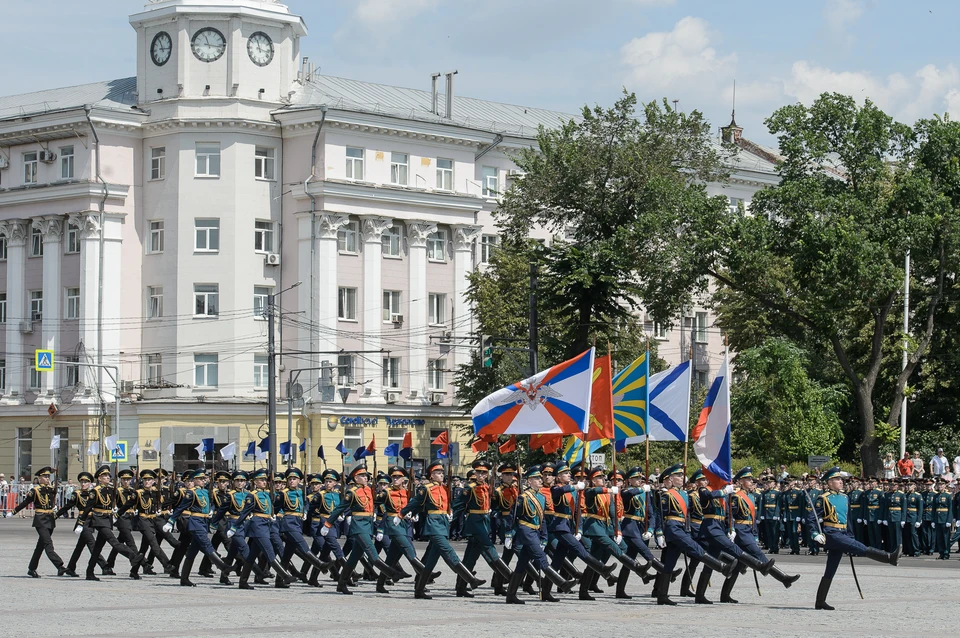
(12, 493)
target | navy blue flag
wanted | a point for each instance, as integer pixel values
(251, 449)
(303, 445)
(320, 453)
(392, 450)
(284, 448)
(342, 448)
(264, 444)
(360, 452)
(208, 445)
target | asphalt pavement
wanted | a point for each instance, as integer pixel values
(918, 598)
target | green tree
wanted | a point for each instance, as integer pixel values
(781, 415)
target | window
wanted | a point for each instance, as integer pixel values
(263, 237)
(347, 304)
(36, 305)
(73, 239)
(154, 302)
(733, 204)
(156, 237)
(263, 163)
(207, 300)
(24, 451)
(3, 374)
(347, 238)
(490, 181)
(395, 435)
(66, 162)
(72, 374)
(260, 295)
(208, 235)
(487, 245)
(208, 160)
(354, 163)
(445, 174)
(30, 166)
(3, 248)
(3, 307)
(391, 304)
(435, 370)
(73, 303)
(391, 372)
(437, 304)
(260, 370)
(154, 369)
(390, 242)
(158, 162)
(35, 378)
(36, 242)
(352, 439)
(205, 370)
(398, 168)
(659, 330)
(700, 328)
(437, 246)
(345, 369)
(700, 378)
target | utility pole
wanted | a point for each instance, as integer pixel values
(272, 375)
(906, 331)
(534, 335)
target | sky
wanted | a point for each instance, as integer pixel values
(564, 54)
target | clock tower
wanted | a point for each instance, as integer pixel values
(211, 51)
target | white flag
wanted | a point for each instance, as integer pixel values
(94, 448)
(55, 442)
(228, 451)
(200, 451)
(110, 442)
(156, 444)
(170, 450)
(259, 455)
(135, 450)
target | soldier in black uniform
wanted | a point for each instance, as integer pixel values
(42, 496)
(148, 507)
(79, 500)
(126, 501)
(99, 515)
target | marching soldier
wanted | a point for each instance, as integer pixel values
(640, 524)
(148, 507)
(695, 524)
(195, 507)
(432, 502)
(717, 539)
(42, 496)
(219, 496)
(504, 498)
(255, 520)
(323, 503)
(126, 501)
(397, 527)
(86, 539)
(290, 517)
(832, 507)
(99, 513)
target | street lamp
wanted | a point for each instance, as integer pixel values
(272, 375)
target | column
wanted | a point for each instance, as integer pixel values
(89, 225)
(112, 267)
(373, 227)
(327, 227)
(52, 229)
(307, 295)
(16, 232)
(464, 238)
(417, 232)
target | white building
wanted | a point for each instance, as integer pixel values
(144, 221)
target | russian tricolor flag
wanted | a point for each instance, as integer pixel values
(711, 436)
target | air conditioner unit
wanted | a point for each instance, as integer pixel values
(126, 386)
(273, 259)
(396, 319)
(436, 398)
(513, 172)
(26, 327)
(447, 336)
(4, 162)
(47, 157)
(393, 397)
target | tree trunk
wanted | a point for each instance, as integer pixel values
(869, 446)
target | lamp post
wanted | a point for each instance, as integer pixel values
(272, 375)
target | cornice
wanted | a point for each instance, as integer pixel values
(367, 191)
(117, 193)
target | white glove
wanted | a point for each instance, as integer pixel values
(647, 535)
(580, 486)
(859, 520)
(408, 516)
(324, 530)
(167, 527)
(618, 538)
(798, 519)
(349, 520)
(508, 542)
(885, 522)
(578, 536)
(340, 518)
(77, 530)
(613, 490)
(646, 488)
(416, 518)
(932, 524)
(661, 542)
(274, 518)
(115, 510)
(728, 489)
(231, 533)
(450, 517)
(820, 539)
(379, 536)
(902, 523)
(396, 520)
(9, 515)
(732, 535)
(917, 524)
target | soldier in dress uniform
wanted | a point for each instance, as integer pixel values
(872, 509)
(896, 516)
(195, 508)
(913, 520)
(942, 519)
(813, 549)
(148, 507)
(717, 539)
(325, 546)
(641, 522)
(432, 502)
(926, 529)
(529, 536)
(225, 516)
(793, 505)
(124, 522)
(99, 513)
(290, 517)
(219, 496)
(832, 508)
(397, 527)
(43, 498)
(79, 500)
(855, 498)
(770, 508)
(675, 510)
(474, 503)
(503, 499)
(696, 482)
(255, 520)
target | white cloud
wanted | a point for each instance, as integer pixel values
(378, 12)
(681, 57)
(840, 14)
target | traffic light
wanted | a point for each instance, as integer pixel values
(486, 350)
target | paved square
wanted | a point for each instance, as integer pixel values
(919, 598)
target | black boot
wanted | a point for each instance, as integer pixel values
(545, 595)
(282, 575)
(634, 566)
(725, 565)
(467, 576)
(883, 557)
(701, 596)
(595, 582)
(500, 569)
(529, 579)
(570, 569)
(185, 570)
(245, 575)
(392, 573)
(686, 585)
(462, 590)
(822, 594)
(314, 580)
(217, 562)
(342, 583)
(497, 582)
(563, 585)
(512, 598)
(585, 581)
(420, 588)
(661, 588)
(607, 571)
(622, 583)
(783, 578)
(728, 587)
(761, 567)
(381, 584)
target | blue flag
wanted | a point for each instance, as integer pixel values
(342, 448)
(208, 445)
(406, 453)
(251, 449)
(264, 444)
(361, 452)
(303, 445)
(284, 448)
(320, 453)
(392, 450)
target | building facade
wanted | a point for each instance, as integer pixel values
(145, 221)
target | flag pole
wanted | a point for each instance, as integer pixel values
(686, 439)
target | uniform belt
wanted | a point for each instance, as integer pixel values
(675, 518)
(872, 507)
(262, 515)
(743, 522)
(232, 515)
(772, 505)
(943, 509)
(362, 514)
(148, 516)
(893, 509)
(196, 514)
(714, 517)
(530, 525)
(506, 512)
(436, 512)
(835, 525)
(478, 512)
(596, 516)
(634, 518)
(793, 507)
(290, 514)
(97, 510)
(43, 511)
(559, 515)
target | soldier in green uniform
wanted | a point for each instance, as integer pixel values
(42, 496)
(896, 516)
(873, 505)
(814, 491)
(855, 500)
(396, 527)
(942, 519)
(502, 504)
(926, 528)
(793, 504)
(474, 502)
(770, 511)
(913, 520)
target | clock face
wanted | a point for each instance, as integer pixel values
(260, 48)
(208, 44)
(160, 48)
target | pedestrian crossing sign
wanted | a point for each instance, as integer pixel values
(119, 453)
(44, 360)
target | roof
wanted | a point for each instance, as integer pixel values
(117, 94)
